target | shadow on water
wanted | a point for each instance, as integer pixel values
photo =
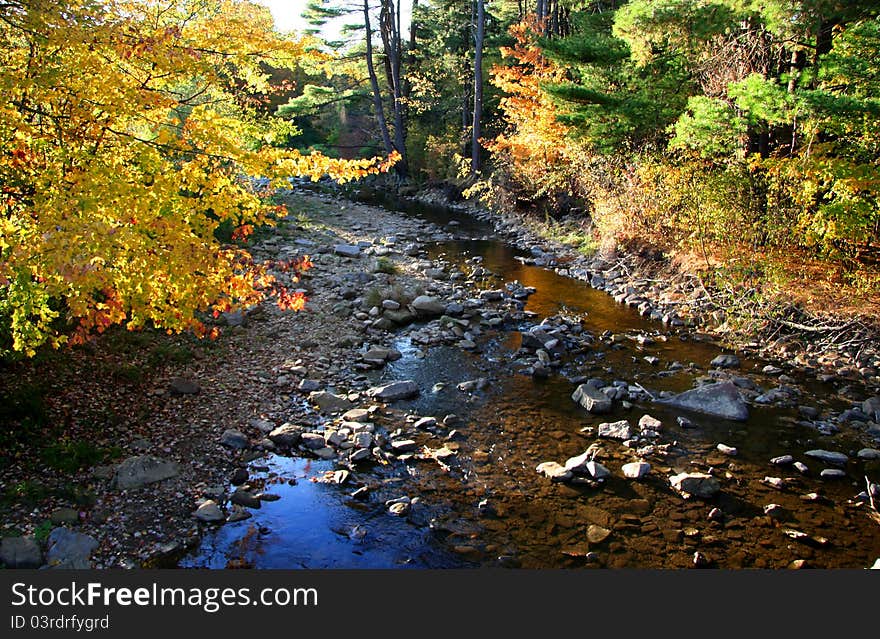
(518, 422)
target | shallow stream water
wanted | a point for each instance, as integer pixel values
(491, 508)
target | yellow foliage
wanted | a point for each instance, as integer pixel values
(130, 132)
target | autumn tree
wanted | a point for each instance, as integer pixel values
(130, 130)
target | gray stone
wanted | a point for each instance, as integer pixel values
(70, 550)
(327, 402)
(832, 473)
(696, 484)
(636, 470)
(324, 453)
(650, 423)
(578, 464)
(312, 441)
(720, 400)
(347, 250)
(234, 439)
(356, 415)
(597, 470)
(209, 512)
(286, 435)
(871, 408)
(554, 471)
(725, 361)
(594, 400)
(136, 472)
(244, 498)
(308, 385)
(426, 306)
(394, 391)
(20, 552)
(782, 460)
(403, 446)
(869, 454)
(827, 456)
(360, 454)
(615, 430)
(382, 354)
(181, 386)
(727, 450)
(363, 440)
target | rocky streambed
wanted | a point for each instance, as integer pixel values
(450, 400)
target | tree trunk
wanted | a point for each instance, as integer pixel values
(479, 37)
(389, 28)
(374, 84)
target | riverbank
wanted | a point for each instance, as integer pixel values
(845, 346)
(396, 328)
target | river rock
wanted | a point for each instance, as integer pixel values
(181, 386)
(554, 471)
(244, 498)
(650, 423)
(136, 472)
(727, 450)
(394, 391)
(591, 398)
(234, 439)
(209, 512)
(597, 470)
(720, 400)
(312, 441)
(827, 456)
(782, 460)
(578, 464)
(239, 477)
(382, 354)
(327, 402)
(357, 415)
(597, 534)
(696, 484)
(869, 454)
(427, 306)
(832, 473)
(725, 361)
(361, 454)
(615, 430)
(286, 435)
(403, 446)
(636, 470)
(20, 552)
(871, 408)
(347, 250)
(69, 550)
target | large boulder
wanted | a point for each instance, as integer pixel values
(591, 398)
(136, 472)
(20, 552)
(70, 550)
(394, 391)
(426, 305)
(719, 400)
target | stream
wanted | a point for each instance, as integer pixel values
(489, 506)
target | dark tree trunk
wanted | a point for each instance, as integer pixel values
(479, 37)
(374, 84)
